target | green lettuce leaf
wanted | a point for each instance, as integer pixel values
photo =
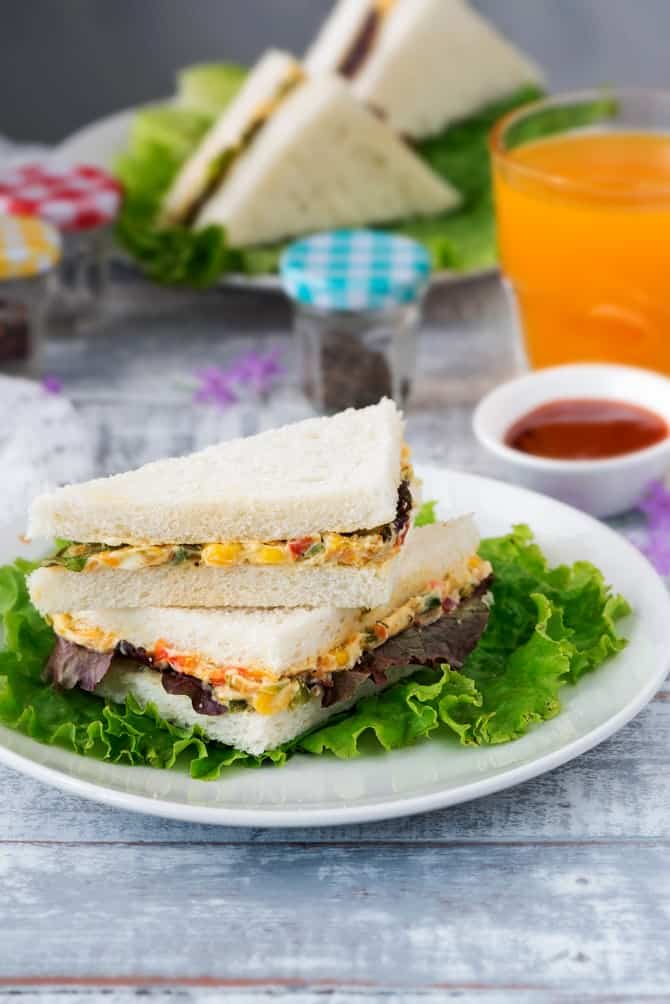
(548, 627)
(462, 241)
(209, 87)
(397, 717)
(426, 514)
(170, 127)
(547, 121)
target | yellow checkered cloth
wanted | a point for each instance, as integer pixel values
(28, 246)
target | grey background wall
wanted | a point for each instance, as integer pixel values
(66, 62)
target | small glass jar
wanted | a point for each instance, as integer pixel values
(350, 359)
(357, 307)
(79, 286)
(82, 201)
(29, 252)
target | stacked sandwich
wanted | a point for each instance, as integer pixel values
(323, 144)
(260, 586)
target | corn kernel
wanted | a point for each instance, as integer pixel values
(264, 704)
(270, 554)
(271, 703)
(341, 656)
(221, 554)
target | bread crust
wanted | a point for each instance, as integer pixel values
(57, 590)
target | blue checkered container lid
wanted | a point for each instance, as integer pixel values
(348, 270)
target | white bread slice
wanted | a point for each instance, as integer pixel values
(260, 89)
(340, 31)
(272, 637)
(322, 161)
(432, 62)
(340, 473)
(57, 590)
(244, 730)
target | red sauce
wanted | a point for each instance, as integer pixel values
(586, 429)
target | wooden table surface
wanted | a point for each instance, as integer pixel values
(555, 891)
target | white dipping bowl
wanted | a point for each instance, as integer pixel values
(600, 487)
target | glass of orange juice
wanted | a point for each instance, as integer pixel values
(582, 192)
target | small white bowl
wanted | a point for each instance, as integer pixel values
(600, 487)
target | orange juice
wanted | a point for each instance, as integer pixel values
(584, 238)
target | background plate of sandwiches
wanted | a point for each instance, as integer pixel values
(241, 589)
(357, 133)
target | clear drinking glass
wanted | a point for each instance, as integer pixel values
(582, 192)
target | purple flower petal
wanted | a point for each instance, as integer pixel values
(214, 388)
(254, 371)
(655, 504)
(657, 549)
(52, 384)
(258, 370)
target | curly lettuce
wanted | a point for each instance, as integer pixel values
(426, 514)
(209, 87)
(547, 628)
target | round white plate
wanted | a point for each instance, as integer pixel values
(316, 791)
(101, 142)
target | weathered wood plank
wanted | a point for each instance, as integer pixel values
(539, 917)
(310, 994)
(614, 792)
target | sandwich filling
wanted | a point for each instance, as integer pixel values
(356, 549)
(363, 42)
(84, 653)
(221, 165)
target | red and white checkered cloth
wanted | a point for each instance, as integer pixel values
(71, 198)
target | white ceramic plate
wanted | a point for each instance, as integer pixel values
(101, 142)
(315, 791)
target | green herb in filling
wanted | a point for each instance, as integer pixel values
(185, 552)
(73, 556)
(312, 551)
(302, 697)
